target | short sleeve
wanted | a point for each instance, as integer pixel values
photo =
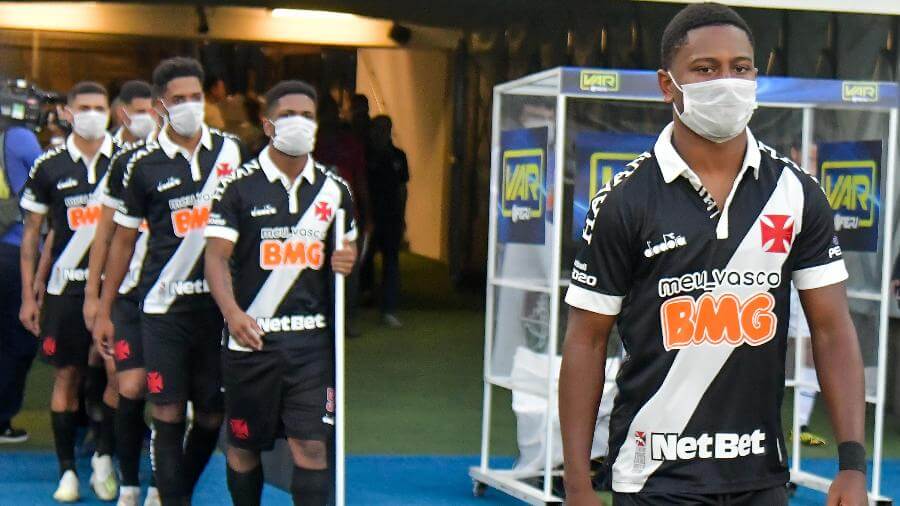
(37, 191)
(817, 254)
(133, 208)
(350, 231)
(601, 275)
(113, 196)
(225, 213)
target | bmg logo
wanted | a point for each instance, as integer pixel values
(850, 188)
(605, 165)
(598, 80)
(853, 91)
(523, 179)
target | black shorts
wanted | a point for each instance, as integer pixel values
(65, 341)
(129, 346)
(275, 393)
(776, 496)
(182, 358)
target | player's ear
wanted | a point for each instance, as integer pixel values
(268, 126)
(665, 85)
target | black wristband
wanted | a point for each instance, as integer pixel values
(852, 457)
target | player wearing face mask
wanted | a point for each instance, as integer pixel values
(169, 185)
(66, 185)
(138, 118)
(269, 261)
(698, 418)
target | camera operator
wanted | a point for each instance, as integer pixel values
(19, 148)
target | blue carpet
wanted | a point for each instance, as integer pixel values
(30, 478)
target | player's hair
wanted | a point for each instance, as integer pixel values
(173, 68)
(86, 88)
(382, 122)
(210, 81)
(292, 87)
(697, 16)
(134, 89)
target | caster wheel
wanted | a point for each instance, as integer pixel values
(478, 489)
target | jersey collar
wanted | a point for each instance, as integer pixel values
(672, 165)
(273, 173)
(171, 149)
(106, 150)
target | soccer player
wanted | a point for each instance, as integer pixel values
(137, 116)
(273, 220)
(704, 316)
(127, 350)
(170, 184)
(65, 186)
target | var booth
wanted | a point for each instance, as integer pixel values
(560, 135)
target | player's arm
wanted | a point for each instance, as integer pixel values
(819, 274)
(43, 268)
(31, 237)
(601, 277)
(581, 379)
(96, 262)
(221, 235)
(241, 326)
(344, 258)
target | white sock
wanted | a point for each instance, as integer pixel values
(807, 400)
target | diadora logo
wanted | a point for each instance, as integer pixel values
(523, 181)
(67, 183)
(168, 184)
(191, 218)
(722, 319)
(323, 211)
(82, 216)
(669, 242)
(291, 253)
(265, 210)
(849, 186)
(722, 445)
(859, 91)
(777, 232)
(599, 80)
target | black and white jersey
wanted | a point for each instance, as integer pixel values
(67, 188)
(283, 233)
(113, 200)
(172, 190)
(702, 297)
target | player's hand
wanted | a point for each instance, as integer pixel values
(342, 260)
(91, 305)
(244, 329)
(40, 289)
(848, 489)
(29, 315)
(104, 333)
(586, 498)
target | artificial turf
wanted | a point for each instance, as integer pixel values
(415, 390)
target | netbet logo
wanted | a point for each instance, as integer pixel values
(722, 445)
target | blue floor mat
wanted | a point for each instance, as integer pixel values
(30, 478)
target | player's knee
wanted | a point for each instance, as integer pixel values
(241, 460)
(131, 383)
(169, 413)
(309, 454)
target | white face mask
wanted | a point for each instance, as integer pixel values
(141, 125)
(294, 135)
(90, 125)
(718, 110)
(186, 118)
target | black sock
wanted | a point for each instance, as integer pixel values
(201, 442)
(64, 426)
(168, 460)
(106, 439)
(246, 488)
(310, 487)
(94, 385)
(130, 439)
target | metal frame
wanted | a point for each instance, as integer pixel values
(563, 83)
